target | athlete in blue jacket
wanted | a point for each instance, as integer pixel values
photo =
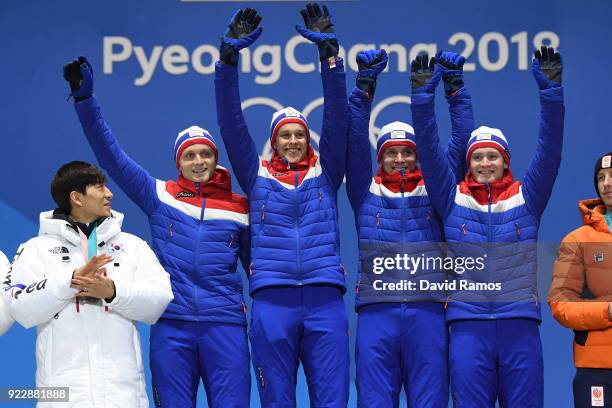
(402, 338)
(495, 349)
(296, 278)
(199, 230)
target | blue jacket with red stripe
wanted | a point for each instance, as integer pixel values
(293, 209)
(498, 222)
(393, 213)
(199, 230)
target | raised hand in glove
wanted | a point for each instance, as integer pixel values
(319, 29)
(451, 65)
(242, 31)
(425, 74)
(79, 75)
(547, 68)
(370, 64)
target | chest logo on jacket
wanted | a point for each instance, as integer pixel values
(185, 194)
(598, 257)
(59, 250)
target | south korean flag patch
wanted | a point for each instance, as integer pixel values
(116, 248)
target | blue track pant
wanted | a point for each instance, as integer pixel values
(183, 352)
(496, 359)
(307, 324)
(402, 344)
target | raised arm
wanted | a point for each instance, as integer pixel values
(318, 28)
(438, 175)
(242, 31)
(547, 68)
(359, 155)
(131, 177)
(565, 296)
(460, 108)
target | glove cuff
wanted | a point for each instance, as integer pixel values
(228, 54)
(452, 84)
(328, 48)
(367, 84)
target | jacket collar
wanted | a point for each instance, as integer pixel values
(396, 183)
(57, 224)
(279, 164)
(592, 212)
(220, 181)
(481, 191)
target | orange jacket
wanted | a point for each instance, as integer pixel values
(581, 289)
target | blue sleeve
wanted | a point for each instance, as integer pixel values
(130, 176)
(462, 123)
(359, 155)
(542, 171)
(334, 132)
(438, 175)
(240, 147)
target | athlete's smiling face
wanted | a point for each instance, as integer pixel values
(487, 165)
(198, 163)
(396, 158)
(292, 142)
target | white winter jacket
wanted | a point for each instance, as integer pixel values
(6, 321)
(92, 347)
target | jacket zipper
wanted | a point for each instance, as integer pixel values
(296, 228)
(489, 232)
(403, 172)
(200, 225)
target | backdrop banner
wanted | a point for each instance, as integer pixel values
(153, 67)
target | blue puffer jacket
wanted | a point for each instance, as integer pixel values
(496, 222)
(293, 211)
(393, 214)
(199, 230)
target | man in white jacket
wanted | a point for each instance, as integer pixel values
(6, 320)
(84, 283)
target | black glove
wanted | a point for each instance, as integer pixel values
(547, 68)
(319, 29)
(425, 74)
(370, 63)
(452, 71)
(79, 75)
(241, 32)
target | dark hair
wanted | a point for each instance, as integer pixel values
(74, 176)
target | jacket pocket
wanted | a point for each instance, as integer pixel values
(262, 211)
(321, 207)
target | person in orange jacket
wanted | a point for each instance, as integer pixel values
(581, 292)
